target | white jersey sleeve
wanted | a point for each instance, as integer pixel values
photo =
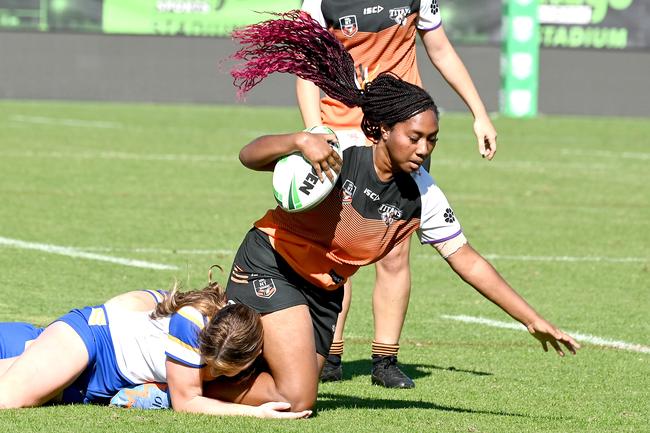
(313, 8)
(438, 223)
(429, 17)
(183, 339)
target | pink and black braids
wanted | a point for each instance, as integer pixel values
(298, 44)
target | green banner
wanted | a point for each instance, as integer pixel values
(520, 58)
(191, 18)
(592, 24)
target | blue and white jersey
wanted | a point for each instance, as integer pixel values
(183, 339)
(142, 344)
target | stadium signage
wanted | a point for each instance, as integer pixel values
(593, 24)
(583, 23)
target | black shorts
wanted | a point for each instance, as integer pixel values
(263, 280)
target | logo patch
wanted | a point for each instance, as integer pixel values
(349, 25)
(434, 7)
(449, 216)
(399, 14)
(348, 191)
(373, 195)
(372, 10)
(336, 277)
(389, 213)
(264, 287)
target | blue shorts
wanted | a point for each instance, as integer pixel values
(102, 378)
(14, 336)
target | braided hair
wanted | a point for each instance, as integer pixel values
(297, 44)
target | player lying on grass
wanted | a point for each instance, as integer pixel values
(89, 354)
(291, 266)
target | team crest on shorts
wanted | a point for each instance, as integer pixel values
(349, 25)
(399, 14)
(389, 213)
(264, 287)
(348, 191)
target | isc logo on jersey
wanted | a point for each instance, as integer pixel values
(372, 10)
(296, 186)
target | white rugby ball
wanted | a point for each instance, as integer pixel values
(296, 186)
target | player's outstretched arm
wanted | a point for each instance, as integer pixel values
(186, 393)
(481, 275)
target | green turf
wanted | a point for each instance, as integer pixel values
(162, 184)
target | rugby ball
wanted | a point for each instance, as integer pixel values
(296, 186)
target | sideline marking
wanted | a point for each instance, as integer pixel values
(598, 341)
(65, 122)
(74, 252)
(174, 157)
(200, 252)
(607, 154)
(567, 258)
(514, 165)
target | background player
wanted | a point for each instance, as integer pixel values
(380, 36)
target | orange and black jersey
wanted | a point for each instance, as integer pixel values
(380, 36)
(360, 221)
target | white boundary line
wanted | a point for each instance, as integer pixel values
(644, 156)
(567, 259)
(598, 341)
(74, 252)
(575, 259)
(197, 252)
(528, 166)
(91, 253)
(77, 123)
(172, 157)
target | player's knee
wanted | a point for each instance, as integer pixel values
(303, 403)
(8, 399)
(300, 400)
(394, 264)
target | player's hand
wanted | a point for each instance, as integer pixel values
(278, 409)
(486, 136)
(549, 334)
(318, 150)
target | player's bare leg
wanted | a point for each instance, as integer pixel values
(52, 362)
(294, 366)
(389, 305)
(333, 368)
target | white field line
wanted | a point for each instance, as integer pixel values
(587, 338)
(607, 154)
(592, 259)
(197, 252)
(528, 166)
(567, 259)
(227, 252)
(77, 253)
(77, 123)
(172, 157)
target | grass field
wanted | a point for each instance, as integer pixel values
(563, 212)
